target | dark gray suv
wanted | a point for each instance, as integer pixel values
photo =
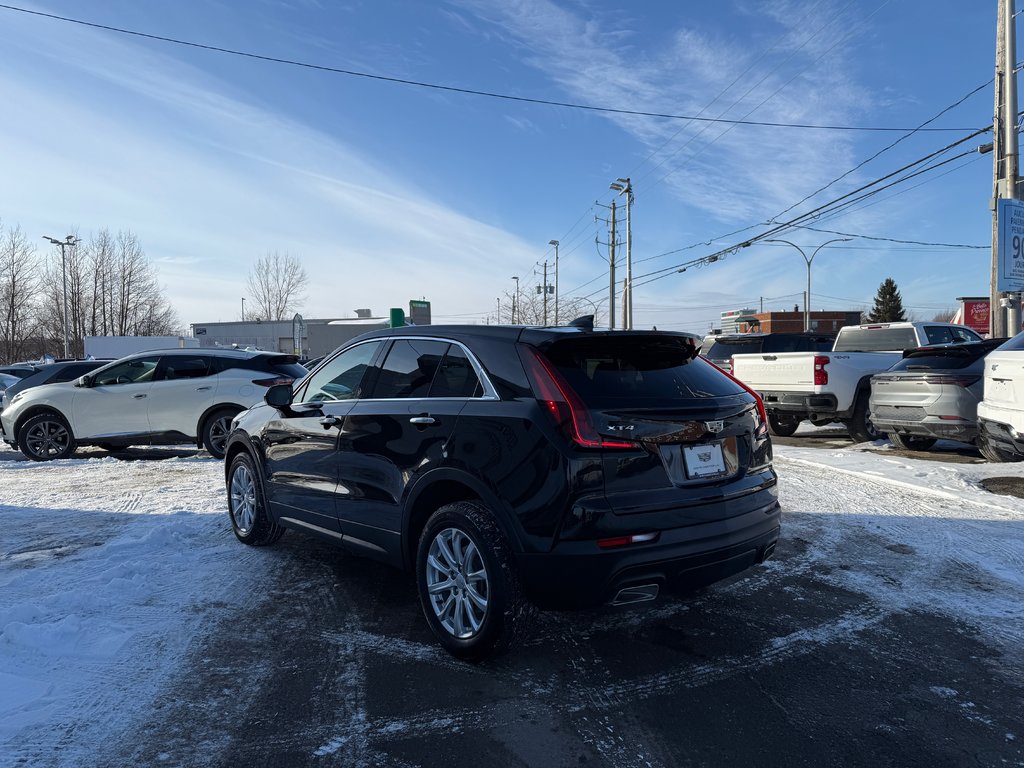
(513, 467)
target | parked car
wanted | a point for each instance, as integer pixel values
(932, 393)
(51, 373)
(7, 380)
(720, 348)
(508, 467)
(162, 397)
(1001, 411)
(832, 386)
(20, 370)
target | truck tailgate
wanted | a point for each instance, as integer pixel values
(782, 371)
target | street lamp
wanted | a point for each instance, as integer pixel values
(70, 240)
(807, 299)
(555, 243)
(624, 187)
(515, 300)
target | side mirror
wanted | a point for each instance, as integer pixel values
(279, 396)
(84, 381)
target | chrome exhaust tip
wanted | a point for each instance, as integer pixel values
(640, 593)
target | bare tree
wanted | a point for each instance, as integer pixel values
(945, 316)
(276, 283)
(113, 290)
(19, 284)
(530, 308)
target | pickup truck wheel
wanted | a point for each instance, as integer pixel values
(910, 442)
(993, 453)
(860, 427)
(782, 426)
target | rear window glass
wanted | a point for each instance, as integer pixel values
(1017, 342)
(938, 362)
(637, 369)
(723, 349)
(876, 340)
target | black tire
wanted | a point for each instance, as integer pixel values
(994, 453)
(860, 427)
(215, 431)
(506, 617)
(910, 442)
(46, 437)
(247, 505)
(783, 426)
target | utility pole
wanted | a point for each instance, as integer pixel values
(625, 187)
(515, 299)
(555, 243)
(545, 293)
(611, 274)
(1004, 321)
(498, 315)
(70, 240)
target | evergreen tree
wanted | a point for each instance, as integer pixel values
(888, 304)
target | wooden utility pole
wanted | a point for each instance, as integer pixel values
(1004, 321)
(611, 274)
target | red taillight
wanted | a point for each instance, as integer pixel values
(564, 405)
(273, 382)
(622, 541)
(762, 427)
(820, 374)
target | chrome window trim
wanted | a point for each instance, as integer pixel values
(490, 392)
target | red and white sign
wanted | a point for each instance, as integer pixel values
(975, 314)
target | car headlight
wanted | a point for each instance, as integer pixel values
(17, 397)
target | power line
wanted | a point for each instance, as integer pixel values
(454, 89)
(891, 239)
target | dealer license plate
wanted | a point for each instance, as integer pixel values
(704, 460)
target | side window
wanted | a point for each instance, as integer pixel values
(938, 334)
(137, 371)
(409, 368)
(342, 377)
(455, 377)
(186, 367)
(963, 334)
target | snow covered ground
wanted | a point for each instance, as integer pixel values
(110, 570)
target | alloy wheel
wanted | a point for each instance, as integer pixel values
(457, 583)
(243, 499)
(47, 438)
(219, 430)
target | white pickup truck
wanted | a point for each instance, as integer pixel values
(834, 386)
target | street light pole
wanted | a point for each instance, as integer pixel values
(243, 309)
(70, 240)
(807, 298)
(555, 243)
(624, 187)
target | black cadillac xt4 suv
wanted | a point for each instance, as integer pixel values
(511, 467)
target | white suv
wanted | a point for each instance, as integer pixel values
(1001, 411)
(152, 398)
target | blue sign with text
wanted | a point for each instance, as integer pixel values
(1010, 215)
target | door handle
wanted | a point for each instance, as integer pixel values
(423, 420)
(203, 389)
(330, 421)
(138, 397)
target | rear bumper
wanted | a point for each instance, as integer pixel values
(932, 426)
(578, 574)
(1002, 436)
(800, 402)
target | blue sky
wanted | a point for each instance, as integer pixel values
(388, 192)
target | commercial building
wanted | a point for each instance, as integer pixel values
(793, 322)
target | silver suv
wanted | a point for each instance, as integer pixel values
(151, 398)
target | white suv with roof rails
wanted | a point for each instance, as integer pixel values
(161, 397)
(1001, 411)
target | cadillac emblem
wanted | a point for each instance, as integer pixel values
(714, 426)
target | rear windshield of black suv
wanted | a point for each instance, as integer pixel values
(645, 369)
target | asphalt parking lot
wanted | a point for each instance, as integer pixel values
(783, 666)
